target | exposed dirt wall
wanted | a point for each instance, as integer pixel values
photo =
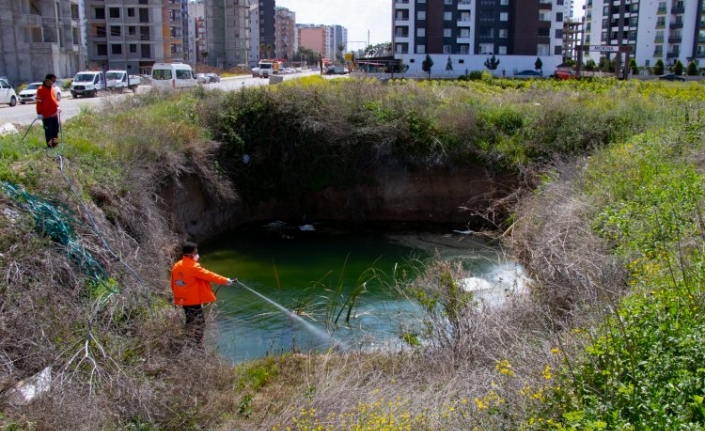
(397, 195)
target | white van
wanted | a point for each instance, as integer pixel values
(87, 83)
(172, 76)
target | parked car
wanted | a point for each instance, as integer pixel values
(256, 72)
(29, 94)
(337, 70)
(565, 74)
(7, 93)
(201, 78)
(213, 77)
(671, 77)
(527, 74)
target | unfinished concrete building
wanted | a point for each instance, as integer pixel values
(134, 34)
(39, 37)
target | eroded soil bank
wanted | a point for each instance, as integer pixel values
(431, 196)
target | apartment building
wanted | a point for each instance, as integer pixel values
(131, 34)
(267, 39)
(284, 33)
(317, 38)
(254, 50)
(39, 37)
(227, 32)
(197, 31)
(667, 30)
(339, 41)
(469, 31)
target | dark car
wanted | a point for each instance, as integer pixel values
(213, 77)
(671, 77)
(528, 73)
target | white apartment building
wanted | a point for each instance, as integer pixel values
(666, 30)
(467, 32)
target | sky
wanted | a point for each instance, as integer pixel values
(358, 16)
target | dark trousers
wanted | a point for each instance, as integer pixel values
(195, 323)
(51, 131)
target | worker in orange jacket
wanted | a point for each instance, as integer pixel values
(190, 284)
(48, 110)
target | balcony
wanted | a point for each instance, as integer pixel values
(464, 4)
(677, 9)
(677, 24)
(30, 20)
(401, 4)
(675, 39)
(671, 55)
(463, 39)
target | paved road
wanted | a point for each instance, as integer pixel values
(25, 114)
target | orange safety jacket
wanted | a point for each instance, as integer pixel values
(47, 105)
(191, 283)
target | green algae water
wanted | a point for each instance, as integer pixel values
(305, 288)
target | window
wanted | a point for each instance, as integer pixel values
(503, 33)
(144, 15)
(446, 49)
(116, 48)
(504, 2)
(115, 30)
(131, 12)
(464, 32)
(421, 32)
(559, 33)
(503, 16)
(447, 32)
(448, 16)
(558, 50)
(102, 49)
(658, 50)
(421, 49)
(544, 15)
(100, 31)
(542, 49)
(420, 1)
(145, 51)
(132, 30)
(184, 74)
(448, 2)
(114, 12)
(100, 13)
(559, 16)
(421, 15)
(502, 50)
(133, 48)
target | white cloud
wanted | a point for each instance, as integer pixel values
(358, 16)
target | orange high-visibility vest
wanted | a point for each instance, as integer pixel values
(47, 106)
(191, 283)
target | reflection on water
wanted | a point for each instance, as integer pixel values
(298, 287)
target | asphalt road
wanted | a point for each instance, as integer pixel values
(24, 114)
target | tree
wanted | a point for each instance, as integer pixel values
(538, 64)
(590, 65)
(678, 68)
(659, 67)
(491, 63)
(449, 64)
(692, 69)
(633, 67)
(427, 64)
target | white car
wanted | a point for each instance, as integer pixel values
(29, 94)
(7, 93)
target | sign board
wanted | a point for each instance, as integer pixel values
(603, 48)
(348, 56)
